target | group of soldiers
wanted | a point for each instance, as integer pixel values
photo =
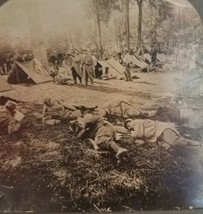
(7, 60)
(91, 122)
(83, 66)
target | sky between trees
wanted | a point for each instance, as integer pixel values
(63, 20)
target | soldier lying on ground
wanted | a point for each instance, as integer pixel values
(119, 108)
(168, 137)
(54, 111)
(122, 108)
(61, 80)
(102, 134)
(10, 118)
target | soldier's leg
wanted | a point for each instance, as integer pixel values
(86, 77)
(80, 80)
(75, 114)
(171, 138)
(89, 74)
(92, 76)
(108, 144)
(74, 75)
(49, 120)
(126, 75)
(191, 153)
(94, 72)
(130, 76)
(79, 77)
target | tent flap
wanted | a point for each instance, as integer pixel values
(29, 70)
(115, 69)
(4, 86)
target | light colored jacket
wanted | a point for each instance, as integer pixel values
(150, 130)
(7, 122)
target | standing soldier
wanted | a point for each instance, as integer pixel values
(87, 66)
(126, 62)
(94, 59)
(154, 56)
(76, 68)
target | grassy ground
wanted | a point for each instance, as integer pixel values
(44, 168)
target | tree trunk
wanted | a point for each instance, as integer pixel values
(100, 36)
(139, 42)
(127, 24)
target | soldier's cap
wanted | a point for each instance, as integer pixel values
(126, 122)
(10, 104)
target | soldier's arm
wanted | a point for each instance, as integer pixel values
(70, 107)
(82, 133)
(44, 109)
(13, 126)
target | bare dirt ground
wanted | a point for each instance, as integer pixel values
(153, 85)
(45, 168)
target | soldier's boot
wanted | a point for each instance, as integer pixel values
(120, 152)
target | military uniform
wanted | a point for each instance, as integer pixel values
(8, 123)
(103, 133)
(119, 108)
(55, 110)
(87, 68)
(76, 69)
(168, 137)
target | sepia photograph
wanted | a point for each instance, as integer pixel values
(101, 105)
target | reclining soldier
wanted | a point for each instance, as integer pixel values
(10, 118)
(101, 133)
(54, 111)
(168, 137)
(120, 108)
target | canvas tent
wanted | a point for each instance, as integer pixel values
(28, 72)
(148, 58)
(4, 86)
(140, 63)
(136, 62)
(116, 65)
(115, 69)
(161, 57)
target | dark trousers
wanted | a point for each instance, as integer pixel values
(128, 75)
(107, 144)
(76, 75)
(88, 73)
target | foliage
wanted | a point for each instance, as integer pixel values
(102, 9)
